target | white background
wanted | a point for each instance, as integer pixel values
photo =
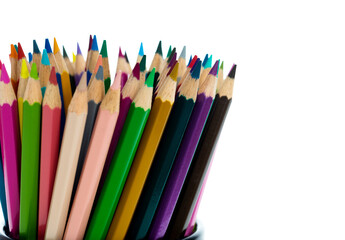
(279, 170)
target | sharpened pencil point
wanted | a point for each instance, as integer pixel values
(30, 57)
(214, 69)
(126, 57)
(82, 86)
(99, 75)
(104, 51)
(159, 48)
(14, 53)
(172, 60)
(136, 71)
(208, 63)
(45, 58)
(34, 72)
(150, 79)
(218, 67)
(117, 81)
(169, 52)
(194, 65)
(64, 52)
(221, 65)
(74, 57)
(196, 70)
(172, 55)
(141, 50)
(24, 73)
(143, 64)
(232, 71)
(52, 78)
(190, 60)
(205, 61)
(20, 52)
(36, 49)
(78, 50)
(90, 43)
(195, 58)
(94, 46)
(183, 53)
(47, 46)
(120, 53)
(56, 46)
(4, 75)
(174, 72)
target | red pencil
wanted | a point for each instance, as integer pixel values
(50, 142)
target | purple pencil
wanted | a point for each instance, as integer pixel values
(184, 156)
(11, 149)
(128, 93)
(79, 66)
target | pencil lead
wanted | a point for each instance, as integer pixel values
(14, 53)
(56, 46)
(183, 53)
(34, 73)
(117, 81)
(47, 46)
(194, 65)
(90, 43)
(143, 64)
(20, 52)
(104, 51)
(82, 86)
(64, 52)
(169, 52)
(45, 58)
(141, 49)
(214, 69)
(52, 78)
(196, 71)
(30, 56)
(159, 48)
(120, 53)
(16, 47)
(74, 57)
(190, 60)
(4, 75)
(126, 57)
(136, 71)
(221, 65)
(150, 78)
(232, 71)
(205, 61)
(78, 50)
(94, 46)
(36, 49)
(24, 73)
(99, 75)
(172, 60)
(173, 54)
(195, 58)
(174, 71)
(209, 62)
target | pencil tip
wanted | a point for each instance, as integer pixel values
(74, 57)
(30, 57)
(159, 48)
(172, 55)
(4, 75)
(221, 65)
(141, 49)
(45, 58)
(205, 61)
(24, 73)
(34, 73)
(174, 71)
(172, 60)
(47, 46)
(136, 71)
(16, 47)
(104, 51)
(120, 53)
(194, 64)
(208, 63)
(150, 78)
(52, 78)
(99, 75)
(214, 69)
(117, 81)
(169, 52)
(56, 46)
(36, 49)
(64, 52)
(232, 72)
(143, 64)
(90, 43)
(183, 53)
(94, 46)
(14, 53)
(195, 58)
(78, 50)
(190, 60)
(82, 86)
(196, 71)
(126, 57)
(20, 52)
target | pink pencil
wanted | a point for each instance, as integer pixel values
(11, 149)
(94, 162)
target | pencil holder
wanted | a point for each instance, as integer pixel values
(197, 235)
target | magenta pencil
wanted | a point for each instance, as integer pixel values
(184, 156)
(122, 66)
(11, 149)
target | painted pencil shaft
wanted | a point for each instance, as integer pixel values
(3, 194)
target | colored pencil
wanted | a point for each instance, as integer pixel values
(202, 158)
(142, 71)
(30, 58)
(128, 65)
(14, 73)
(94, 162)
(156, 62)
(21, 56)
(123, 67)
(51, 55)
(220, 77)
(128, 93)
(88, 53)
(36, 56)
(93, 58)
(182, 64)
(95, 70)
(206, 69)
(169, 52)
(105, 63)
(65, 80)
(70, 68)
(184, 156)
(44, 71)
(11, 149)
(141, 53)
(95, 94)
(74, 58)
(163, 75)
(165, 155)
(143, 159)
(67, 163)
(50, 146)
(165, 65)
(189, 67)
(24, 77)
(30, 156)
(79, 66)
(122, 160)
(3, 193)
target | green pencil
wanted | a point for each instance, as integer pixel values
(121, 162)
(105, 63)
(30, 157)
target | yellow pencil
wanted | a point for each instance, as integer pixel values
(24, 76)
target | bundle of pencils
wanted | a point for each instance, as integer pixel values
(84, 158)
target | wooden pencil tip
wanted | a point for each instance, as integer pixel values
(117, 81)
(34, 72)
(141, 50)
(99, 74)
(232, 72)
(74, 57)
(136, 71)
(183, 53)
(126, 57)
(94, 46)
(64, 52)
(169, 52)
(143, 64)
(172, 60)
(172, 55)
(190, 59)
(82, 86)
(30, 57)
(195, 58)
(104, 51)
(56, 46)
(120, 53)
(24, 73)
(36, 49)
(209, 62)
(196, 70)
(159, 48)
(150, 79)
(214, 69)
(221, 65)
(90, 43)
(174, 71)
(52, 78)
(47, 46)
(205, 61)
(45, 58)
(78, 50)
(4, 75)
(14, 53)
(20, 52)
